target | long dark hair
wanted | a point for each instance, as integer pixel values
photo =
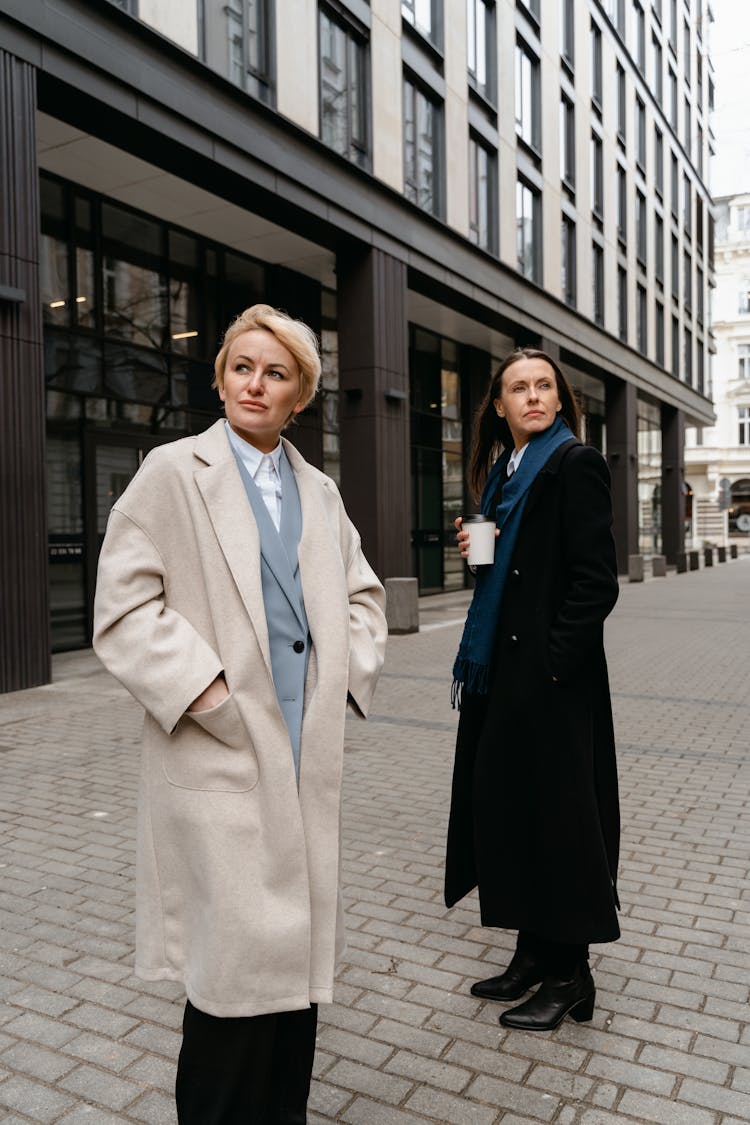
(492, 433)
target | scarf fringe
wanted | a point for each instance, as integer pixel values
(469, 676)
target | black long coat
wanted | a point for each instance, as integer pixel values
(534, 813)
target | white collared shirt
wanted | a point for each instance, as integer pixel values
(515, 459)
(265, 470)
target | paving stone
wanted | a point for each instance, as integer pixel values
(509, 1095)
(98, 1086)
(364, 1080)
(106, 1053)
(40, 1103)
(36, 1062)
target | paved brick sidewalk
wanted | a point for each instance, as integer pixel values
(83, 1041)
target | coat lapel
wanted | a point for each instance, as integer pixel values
(319, 553)
(551, 468)
(219, 482)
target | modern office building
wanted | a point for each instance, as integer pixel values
(426, 182)
(718, 457)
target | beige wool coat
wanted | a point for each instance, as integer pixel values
(237, 870)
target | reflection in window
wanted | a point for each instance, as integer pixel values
(567, 143)
(343, 96)
(480, 61)
(249, 46)
(482, 195)
(743, 418)
(421, 15)
(528, 126)
(421, 149)
(134, 287)
(596, 63)
(568, 259)
(528, 231)
(597, 175)
(598, 282)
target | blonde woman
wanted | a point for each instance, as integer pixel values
(235, 604)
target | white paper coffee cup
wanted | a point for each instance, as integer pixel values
(481, 531)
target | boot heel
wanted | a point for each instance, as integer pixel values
(584, 1009)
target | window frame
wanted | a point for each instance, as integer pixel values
(358, 152)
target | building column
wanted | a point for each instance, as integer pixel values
(672, 481)
(621, 416)
(374, 411)
(24, 635)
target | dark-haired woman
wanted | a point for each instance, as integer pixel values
(534, 814)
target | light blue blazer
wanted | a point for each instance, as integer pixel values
(288, 633)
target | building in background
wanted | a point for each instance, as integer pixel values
(426, 182)
(718, 457)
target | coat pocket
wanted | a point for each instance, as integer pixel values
(212, 751)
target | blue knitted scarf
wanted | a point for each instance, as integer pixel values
(471, 671)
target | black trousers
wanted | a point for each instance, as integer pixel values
(245, 1070)
(559, 958)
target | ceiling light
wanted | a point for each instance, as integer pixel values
(80, 300)
(56, 304)
(183, 335)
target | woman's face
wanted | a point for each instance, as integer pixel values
(528, 400)
(261, 388)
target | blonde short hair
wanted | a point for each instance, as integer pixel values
(295, 335)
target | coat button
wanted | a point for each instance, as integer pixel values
(515, 575)
(299, 646)
(513, 639)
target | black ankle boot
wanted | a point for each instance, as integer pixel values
(523, 972)
(555, 1000)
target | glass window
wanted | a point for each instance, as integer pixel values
(686, 51)
(688, 132)
(688, 280)
(528, 126)
(528, 231)
(675, 187)
(640, 133)
(659, 249)
(659, 332)
(622, 303)
(743, 418)
(186, 296)
(422, 149)
(687, 343)
(134, 283)
(699, 294)
(422, 16)
(675, 346)
(673, 24)
(596, 63)
(568, 261)
(567, 31)
(673, 98)
(482, 195)
(615, 9)
(248, 29)
(597, 175)
(343, 90)
(598, 283)
(622, 203)
(657, 67)
(567, 143)
(743, 361)
(480, 46)
(621, 107)
(639, 31)
(675, 268)
(641, 228)
(687, 208)
(641, 310)
(658, 161)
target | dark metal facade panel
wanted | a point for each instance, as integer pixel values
(622, 455)
(24, 630)
(373, 362)
(673, 482)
